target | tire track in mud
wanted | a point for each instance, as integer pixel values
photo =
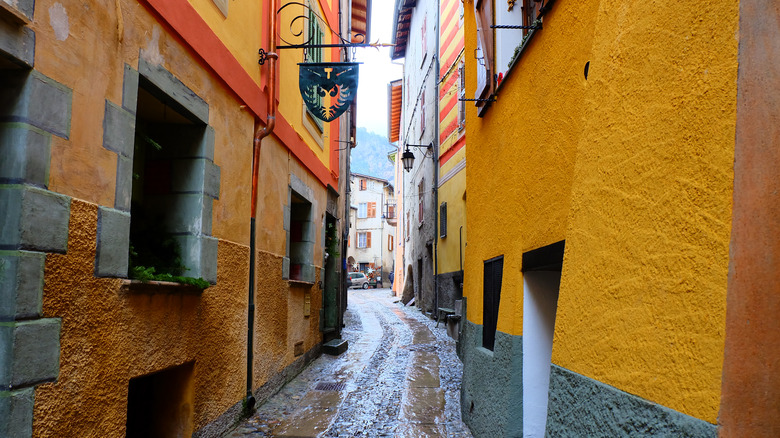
(373, 408)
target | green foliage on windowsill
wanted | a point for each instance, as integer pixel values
(145, 274)
(155, 255)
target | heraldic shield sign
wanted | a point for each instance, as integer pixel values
(328, 88)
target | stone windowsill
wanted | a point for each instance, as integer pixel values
(159, 287)
(15, 15)
(294, 282)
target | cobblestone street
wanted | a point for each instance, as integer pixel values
(400, 377)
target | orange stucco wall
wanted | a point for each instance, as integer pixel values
(109, 334)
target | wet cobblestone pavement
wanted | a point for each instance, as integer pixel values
(400, 377)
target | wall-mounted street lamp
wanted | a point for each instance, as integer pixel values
(408, 157)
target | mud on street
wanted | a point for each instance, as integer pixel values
(400, 377)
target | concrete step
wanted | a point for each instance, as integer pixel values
(335, 347)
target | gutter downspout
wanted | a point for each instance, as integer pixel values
(436, 145)
(260, 134)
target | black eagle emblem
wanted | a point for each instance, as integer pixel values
(328, 88)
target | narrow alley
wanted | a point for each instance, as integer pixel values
(399, 377)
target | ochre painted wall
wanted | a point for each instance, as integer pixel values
(643, 294)
(451, 248)
(521, 154)
(645, 211)
(241, 31)
(110, 335)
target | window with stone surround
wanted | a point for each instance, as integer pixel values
(173, 185)
(301, 237)
(302, 231)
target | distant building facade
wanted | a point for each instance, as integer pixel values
(418, 126)
(372, 228)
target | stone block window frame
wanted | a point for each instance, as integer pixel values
(301, 232)
(17, 11)
(33, 109)
(190, 172)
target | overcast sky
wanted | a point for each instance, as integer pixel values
(376, 71)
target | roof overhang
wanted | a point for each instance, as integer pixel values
(361, 22)
(401, 19)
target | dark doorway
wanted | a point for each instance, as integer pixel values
(331, 282)
(418, 283)
(160, 405)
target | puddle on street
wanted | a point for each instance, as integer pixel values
(400, 378)
(424, 405)
(423, 370)
(414, 430)
(314, 417)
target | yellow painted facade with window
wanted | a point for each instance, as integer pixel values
(243, 45)
(110, 330)
(452, 156)
(633, 168)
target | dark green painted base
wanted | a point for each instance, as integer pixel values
(492, 404)
(492, 387)
(582, 407)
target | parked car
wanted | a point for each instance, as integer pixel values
(358, 279)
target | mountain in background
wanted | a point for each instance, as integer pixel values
(370, 156)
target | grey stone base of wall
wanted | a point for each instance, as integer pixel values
(450, 289)
(492, 387)
(492, 405)
(582, 407)
(233, 416)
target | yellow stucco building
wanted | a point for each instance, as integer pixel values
(600, 268)
(128, 131)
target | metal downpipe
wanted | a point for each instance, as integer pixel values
(259, 135)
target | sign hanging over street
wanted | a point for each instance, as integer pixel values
(328, 88)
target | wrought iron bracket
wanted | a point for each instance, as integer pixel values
(344, 43)
(263, 56)
(490, 99)
(515, 26)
